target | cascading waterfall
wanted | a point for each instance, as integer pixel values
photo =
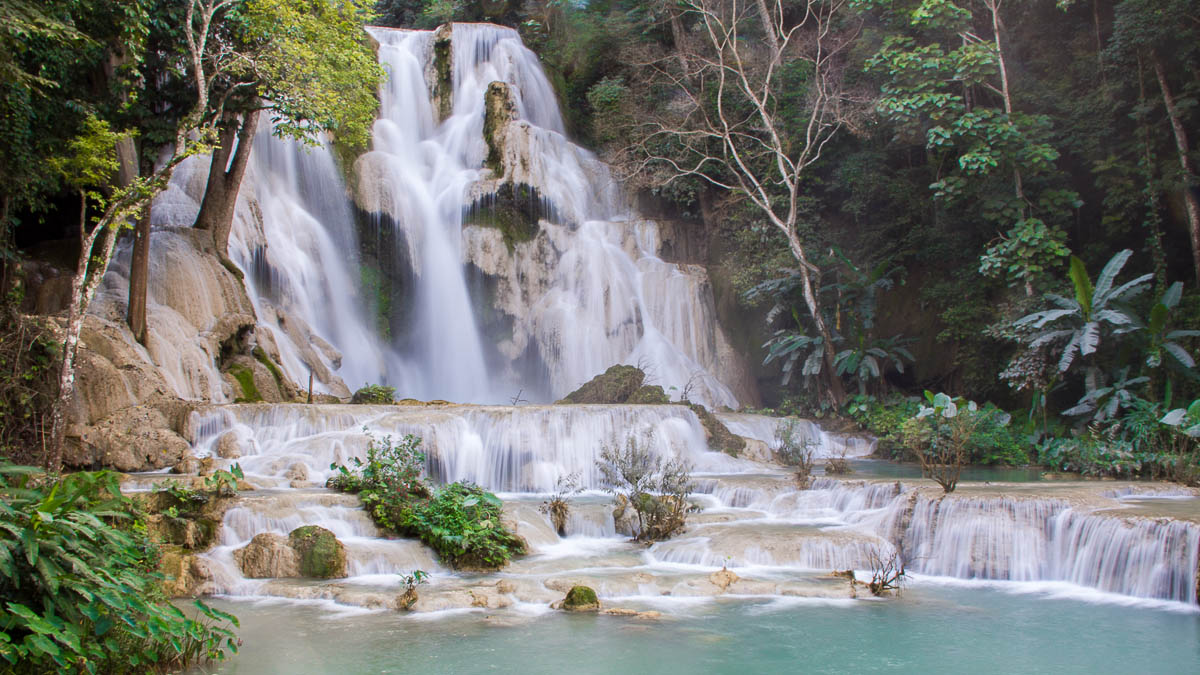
(589, 289)
(754, 517)
(593, 295)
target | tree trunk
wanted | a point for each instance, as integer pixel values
(834, 388)
(139, 278)
(1185, 162)
(221, 192)
(768, 24)
(84, 283)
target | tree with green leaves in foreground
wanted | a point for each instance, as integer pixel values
(307, 64)
(948, 80)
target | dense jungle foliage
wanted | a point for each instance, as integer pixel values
(1003, 204)
(893, 196)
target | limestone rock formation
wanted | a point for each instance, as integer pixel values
(268, 556)
(723, 579)
(185, 574)
(613, 386)
(229, 446)
(581, 599)
(319, 553)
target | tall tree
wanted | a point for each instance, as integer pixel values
(1165, 36)
(316, 75)
(758, 95)
(948, 79)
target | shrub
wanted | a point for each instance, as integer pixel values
(885, 419)
(794, 451)
(557, 507)
(941, 434)
(462, 523)
(80, 593)
(656, 489)
(374, 394)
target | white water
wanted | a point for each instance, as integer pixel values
(754, 519)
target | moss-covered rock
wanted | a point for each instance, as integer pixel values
(720, 438)
(499, 110)
(443, 70)
(320, 554)
(581, 599)
(613, 386)
(649, 394)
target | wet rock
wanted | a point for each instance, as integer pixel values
(320, 553)
(268, 556)
(297, 472)
(229, 446)
(187, 464)
(720, 438)
(581, 599)
(613, 386)
(185, 575)
(207, 466)
(723, 578)
(632, 613)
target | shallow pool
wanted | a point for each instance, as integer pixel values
(935, 627)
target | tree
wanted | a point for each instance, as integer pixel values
(1155, 32)
(753, 115)
(306, 64)
(1079, 322)
(961, 100)
(940, 434)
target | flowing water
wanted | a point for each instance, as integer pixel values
(592, 288)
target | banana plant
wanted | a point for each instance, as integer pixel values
(1187, 420)
(1079, 322)
(1104, 402)
(869, 360)
(1164, 342)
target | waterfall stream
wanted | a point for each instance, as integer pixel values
(490, 318)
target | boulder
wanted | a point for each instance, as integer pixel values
(720, 438)
(613, 386)
(268, 556)
(138, 438)
(581, 599)
(319, 552)
(185, 575)
(187, 464)
(229, 446)
(723, 578)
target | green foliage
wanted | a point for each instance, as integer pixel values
(1074, 326)
(391, 468)
(245, 379)
(941, 434)
(80, 591)
(374, 394)
(885, 419)
(462, 523)
(795, 451)
(314, 66)
(224, 483)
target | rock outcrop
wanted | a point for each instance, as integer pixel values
(268, 556)
(319, 553)
(580, 599)
(614, 386)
